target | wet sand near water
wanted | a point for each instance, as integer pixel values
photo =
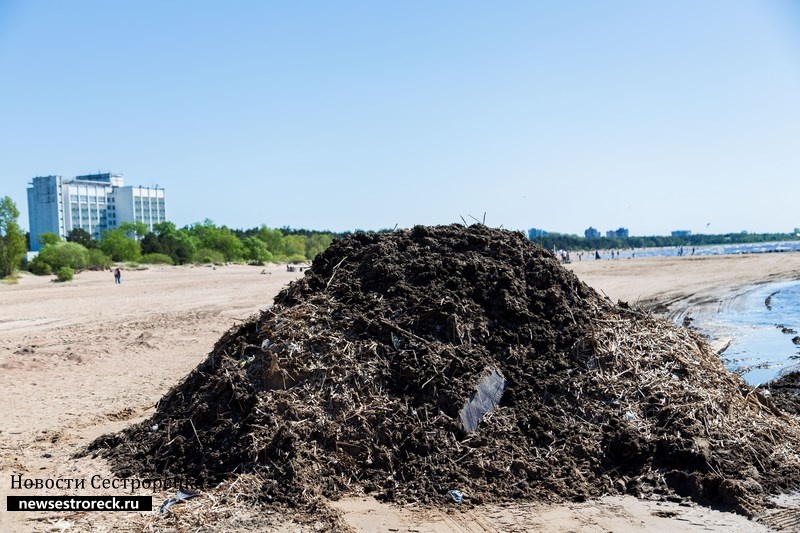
(669, 285)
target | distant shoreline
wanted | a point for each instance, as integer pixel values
(686, 251)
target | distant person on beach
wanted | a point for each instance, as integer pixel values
(597, 254)
(117, 275)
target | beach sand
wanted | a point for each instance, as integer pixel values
(89, 357)
(670, 285)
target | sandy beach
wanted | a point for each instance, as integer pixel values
(671, 285)
(89, 357)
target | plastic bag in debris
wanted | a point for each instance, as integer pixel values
(457, 495)
(181, 495)
(483, 400)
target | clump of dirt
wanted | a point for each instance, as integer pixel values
(357, 378)
(785, 392)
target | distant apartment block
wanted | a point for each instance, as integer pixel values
(93, 202)
(591, 233)
(681, 233)
(620, 233)
(535, 233)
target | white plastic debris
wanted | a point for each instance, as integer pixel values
(483, 401)
(457, 495)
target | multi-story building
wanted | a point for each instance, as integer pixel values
(591, 233)
(621, 233)
(93, 202)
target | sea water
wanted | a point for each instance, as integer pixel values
(712, 249)
(763, 324)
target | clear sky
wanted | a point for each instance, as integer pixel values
(345, 115)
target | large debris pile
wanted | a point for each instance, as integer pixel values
(370, 373)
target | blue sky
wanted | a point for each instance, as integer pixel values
(347, 115)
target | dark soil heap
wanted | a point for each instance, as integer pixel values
(785, 392)
(355, 379)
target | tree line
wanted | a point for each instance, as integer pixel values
(133, 242)
(202, 242)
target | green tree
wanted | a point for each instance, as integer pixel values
(184, 247)
(48, 238)
(228, 244)
(295, 246)
(134, 230)
(39, 267)
(65, 274)
(98, 260)
(157, 259)
(12, 239)
(160, 228)
(151, 244)
(116, 244)
(204, 255)
(255, 250)
(82, 237)
(166, 239)
(316, 243)
(64, 254)
(273, 238)
(220, 239)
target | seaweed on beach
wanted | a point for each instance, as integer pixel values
(356, 379)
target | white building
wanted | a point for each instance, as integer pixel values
(94, 202)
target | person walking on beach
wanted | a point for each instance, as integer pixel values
(117, 275)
